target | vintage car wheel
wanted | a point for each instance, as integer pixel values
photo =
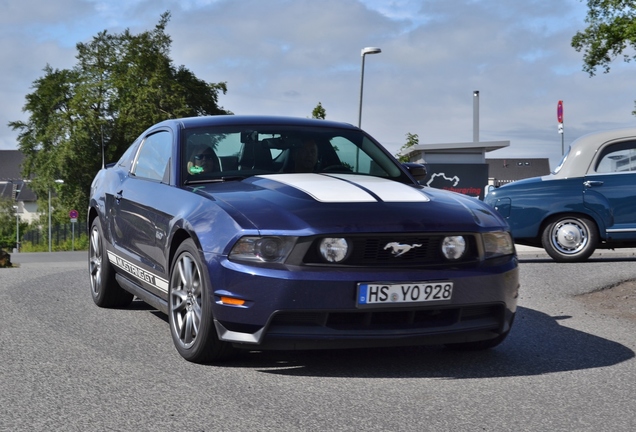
(190, 309)
(570, 239)
(105, 290)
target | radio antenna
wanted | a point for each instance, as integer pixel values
(102, 129)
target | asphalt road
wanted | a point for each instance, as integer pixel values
(67, 365)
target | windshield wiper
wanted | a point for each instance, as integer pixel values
(215, 180)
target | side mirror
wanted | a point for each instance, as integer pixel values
(418, 171)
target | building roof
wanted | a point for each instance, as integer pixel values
(517, 169)
(12, 184)
(459, 147)
(11, 165)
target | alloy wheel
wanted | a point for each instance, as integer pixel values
(185, 301)
(95, 261)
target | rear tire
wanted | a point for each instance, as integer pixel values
(570, 238)
(105, 290)
(190, 309)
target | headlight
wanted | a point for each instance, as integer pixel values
(334, 250)
(453, 247)
(498, 243)
(263, 249)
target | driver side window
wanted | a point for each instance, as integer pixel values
(153, 160)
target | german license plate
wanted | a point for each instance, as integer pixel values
(394, 294)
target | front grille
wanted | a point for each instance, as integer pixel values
(375, 251)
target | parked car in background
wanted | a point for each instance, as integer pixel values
(588, 202)
(284, 233)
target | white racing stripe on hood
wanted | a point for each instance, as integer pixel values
(323, 188)
(349, 188)
(387, 190)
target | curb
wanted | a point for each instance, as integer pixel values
(536, 252)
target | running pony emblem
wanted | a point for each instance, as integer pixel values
(398, 249)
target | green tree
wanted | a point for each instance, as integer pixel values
(611, 29)
(411, 141)
(120, 85)
(611, 32)
(7, 223)
(319, 112)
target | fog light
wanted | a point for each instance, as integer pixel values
(453, 247)
(334, 250)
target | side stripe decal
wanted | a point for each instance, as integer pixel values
(138, 273)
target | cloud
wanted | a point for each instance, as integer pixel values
(284, 56)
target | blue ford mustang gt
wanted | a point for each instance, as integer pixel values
(289, 233)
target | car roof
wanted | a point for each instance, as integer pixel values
(583, 149)
(223, 120)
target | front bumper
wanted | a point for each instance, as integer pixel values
(315, 307)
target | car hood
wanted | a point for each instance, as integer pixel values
(308, 204)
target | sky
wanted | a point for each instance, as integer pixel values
(283, 57)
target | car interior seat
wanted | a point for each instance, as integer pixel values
(254, 155)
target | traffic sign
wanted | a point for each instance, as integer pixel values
(73, 215)
(560, 112)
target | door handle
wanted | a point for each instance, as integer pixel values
(592, 183)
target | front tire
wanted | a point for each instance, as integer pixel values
(570, 239)
(105, 290)
(190, 309)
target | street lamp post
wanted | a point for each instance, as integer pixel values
(17, 229)
(364, 52)
(58, 182)
(476, 116)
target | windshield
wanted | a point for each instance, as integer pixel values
(216, 154)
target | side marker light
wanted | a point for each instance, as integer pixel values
(232, 301)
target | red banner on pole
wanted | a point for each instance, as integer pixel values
(560, 112)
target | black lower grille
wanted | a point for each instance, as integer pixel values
(398, 319)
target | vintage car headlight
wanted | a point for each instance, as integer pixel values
(334, 250)
(453, 247)
(498, 243)
(270, 249)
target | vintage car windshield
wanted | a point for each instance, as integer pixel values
(563, 159)
(217, 154)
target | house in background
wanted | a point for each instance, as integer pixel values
(464, 168)
(502, 171)
(13, 186)
(459, 167)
